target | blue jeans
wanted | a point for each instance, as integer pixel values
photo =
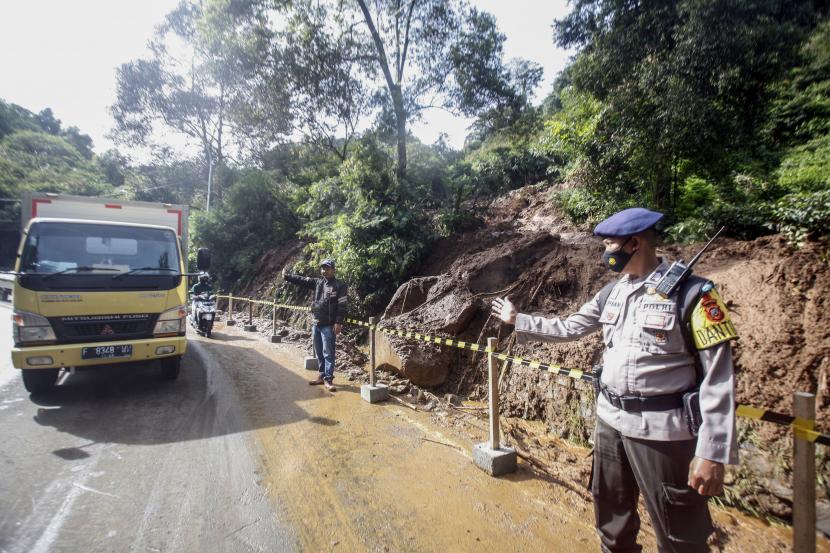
(324, 338)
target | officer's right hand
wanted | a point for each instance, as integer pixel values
(504, 310)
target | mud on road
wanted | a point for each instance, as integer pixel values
(352, 476)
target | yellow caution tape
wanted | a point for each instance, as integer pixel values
(802, 428)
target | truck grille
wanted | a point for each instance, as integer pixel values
(103, 328)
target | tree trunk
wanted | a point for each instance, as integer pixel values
(393, 86)
(400, 119)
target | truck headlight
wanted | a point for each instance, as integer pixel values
(171, 322)
(30, 329)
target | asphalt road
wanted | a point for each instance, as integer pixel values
(241, 454)
(121, 460)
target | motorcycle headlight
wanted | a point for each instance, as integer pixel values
(208, 316)
(171, 322)
(31, 328)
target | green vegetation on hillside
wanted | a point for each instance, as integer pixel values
(715, 114)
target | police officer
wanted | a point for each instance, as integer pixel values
(642, 441)
(328, 309)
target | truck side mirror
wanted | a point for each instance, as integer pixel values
(203, 259)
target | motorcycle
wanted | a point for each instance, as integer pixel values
(205, 314)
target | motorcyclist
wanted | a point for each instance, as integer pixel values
(201, 287)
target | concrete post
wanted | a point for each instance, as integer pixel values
(230, 318)
(491, 457)
(804, 475)
(372, 392)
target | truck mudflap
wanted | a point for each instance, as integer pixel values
(97, 353)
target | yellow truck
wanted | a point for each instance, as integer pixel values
(99, 281)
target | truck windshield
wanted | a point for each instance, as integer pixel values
(88, 249)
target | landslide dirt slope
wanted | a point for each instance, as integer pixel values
(523, 248)
(778, 297)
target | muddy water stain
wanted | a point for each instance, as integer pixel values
(359, 477)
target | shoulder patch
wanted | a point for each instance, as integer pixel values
(710, 322)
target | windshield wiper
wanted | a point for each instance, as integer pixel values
(133, 271)
(80, 270)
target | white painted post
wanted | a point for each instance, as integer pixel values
(231, 321)
(804, 475)
(372, 377)
(493, 384)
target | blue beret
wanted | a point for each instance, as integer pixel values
(627, 222)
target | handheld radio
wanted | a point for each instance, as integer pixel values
(679, 271)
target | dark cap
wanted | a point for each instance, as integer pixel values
(627, 222)
(327, 263)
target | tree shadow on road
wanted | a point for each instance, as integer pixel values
(222, 389)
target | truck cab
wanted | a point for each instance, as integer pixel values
(93, 292)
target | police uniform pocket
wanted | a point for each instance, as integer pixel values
(659, 334)
(685, 514)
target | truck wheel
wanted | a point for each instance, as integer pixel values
(170, 367)
(39, 381)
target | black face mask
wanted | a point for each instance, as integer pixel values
(617, 260)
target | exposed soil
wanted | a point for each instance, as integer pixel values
(778, 297)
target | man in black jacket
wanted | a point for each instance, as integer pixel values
(328, 310)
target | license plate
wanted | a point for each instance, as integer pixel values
(107, 352)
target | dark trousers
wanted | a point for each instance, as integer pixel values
(324, 340)
(622, 468)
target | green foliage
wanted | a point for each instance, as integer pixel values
(803, 215)
(587, 207)
(807, 167)
(683, 84)
(368, 220)
(800, 107)
(34, 160)
(569, 131)
(15, 118)
(254, 217)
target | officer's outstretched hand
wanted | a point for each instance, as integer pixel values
(504, 310)
(706, 476)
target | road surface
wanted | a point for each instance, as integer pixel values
(240, 454)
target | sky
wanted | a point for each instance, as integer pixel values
(63, 55)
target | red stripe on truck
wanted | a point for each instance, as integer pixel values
(112, 206)
(36, 201)
(179, 213)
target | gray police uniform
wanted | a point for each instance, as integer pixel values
(646, 355)
(650, 450)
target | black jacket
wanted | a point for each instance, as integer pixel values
(330, 297)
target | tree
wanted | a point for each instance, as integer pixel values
(187, 94)
(435, 54)
(342, 60)
(322, 64)
(682, 83)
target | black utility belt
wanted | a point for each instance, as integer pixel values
(688, 401)
(638, 404)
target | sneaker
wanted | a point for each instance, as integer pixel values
(316, 382)
(330, 387)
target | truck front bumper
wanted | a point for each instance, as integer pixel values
(69, 355)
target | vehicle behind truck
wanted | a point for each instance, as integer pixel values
(98, 282)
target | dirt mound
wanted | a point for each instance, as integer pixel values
(778, 297)
(523, 248)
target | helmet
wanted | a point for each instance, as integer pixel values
(204, 278)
